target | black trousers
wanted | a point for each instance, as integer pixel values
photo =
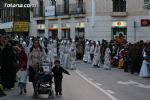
(92, 56)
(58, 85)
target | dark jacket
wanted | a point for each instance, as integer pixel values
(58, 72)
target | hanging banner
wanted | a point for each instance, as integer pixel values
(49, 11)
(20, 26)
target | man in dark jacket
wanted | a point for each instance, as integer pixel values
(58, 76)
(135, 55)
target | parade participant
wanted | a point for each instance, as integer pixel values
(134, 56)
(73, 54)
(36, 56)
(92, 49)
(86, 57)
(102, 52)
(22, 79)
(96, 58)
(30, 43)
(50, 52)
(58, 76)
(8, 65)
(121, 59)
(107, 58)
(67, 55)
(41, 41)
(145, 71)
(54, 49)
(61, 51)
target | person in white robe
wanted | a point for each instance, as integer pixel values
(92, 49)
(41, 40)
(96, 59)
(61, 51)
(50, 53)
(107, 57)
(73, 55)
(54, 49)
(66, 63)
(86, 57)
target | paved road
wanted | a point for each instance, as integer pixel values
(87, 83)
(122, 86)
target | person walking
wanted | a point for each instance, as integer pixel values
(36, 56)
(107, 58)
(22, 79)
(58, 76)
(8, 65)
(96, 59)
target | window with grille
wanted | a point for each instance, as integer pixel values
(119, 5)
(66, 6)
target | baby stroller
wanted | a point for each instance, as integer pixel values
(43, 81)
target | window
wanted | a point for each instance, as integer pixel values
(66, 6)
(119, 5)
(53, 2)
(80, 5)
(146, 1)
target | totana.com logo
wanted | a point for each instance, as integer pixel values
(9, 5)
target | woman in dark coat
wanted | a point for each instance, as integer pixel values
(8, 63)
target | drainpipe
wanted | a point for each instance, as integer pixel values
(93, 12)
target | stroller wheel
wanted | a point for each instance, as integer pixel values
(36, 94)
(51, 94)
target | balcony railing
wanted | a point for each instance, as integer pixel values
(147, 4)
(119, 11)
(73, 9)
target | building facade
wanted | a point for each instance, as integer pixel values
(91, 19)
(13, 18)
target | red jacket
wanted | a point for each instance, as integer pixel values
(23, 58)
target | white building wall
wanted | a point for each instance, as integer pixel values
(102, 28)
(33, 27)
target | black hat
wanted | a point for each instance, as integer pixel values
(2, 31)
(57, 61)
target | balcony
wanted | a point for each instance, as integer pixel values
(119, 14)
(72, 10)
(119, 11)
(147, 4)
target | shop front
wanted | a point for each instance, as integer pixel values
(65, 31)
(53, 31)
(41, 30)
(80, 30)
(119, 31)
(20, 28)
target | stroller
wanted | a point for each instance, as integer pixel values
(43, 81)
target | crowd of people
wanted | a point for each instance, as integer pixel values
(20, 54)
(133, 58)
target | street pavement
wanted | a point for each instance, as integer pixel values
(88, 83)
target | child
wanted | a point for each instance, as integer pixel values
(58, 76)
(22, 79)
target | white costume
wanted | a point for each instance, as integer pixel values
(107, 58)
(50, 53)
(144, 70)
(66, 56)
(73, 55)
(54, 49)
(86, 57)
(96, 59)
(92, 49)
(61, 51)
(42, 42)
